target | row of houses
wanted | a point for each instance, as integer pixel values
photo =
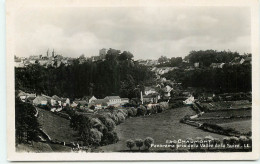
(163, 70)
(56, 101)
(235, 61)
(45, 61)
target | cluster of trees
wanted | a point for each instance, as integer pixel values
(98, 129)
(205, 58)
(94, 130)
(231, 78)
(147, 142)
(118, 74)
(26, 123)
(170, 62)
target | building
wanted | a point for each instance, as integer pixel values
(99, 103)
(124, 101)
(149, 90)
(92, 99)
(197, 65)
(217, 65)
(80, 102)
(113, 100)
(151, 98)
(56, 101)
(65, 101)
(167, 91)
(42, 100)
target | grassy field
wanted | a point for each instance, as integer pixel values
(227, 105)
(56, 127)
(228, 113)
(216, 117)
(243, 126)
(161, 127)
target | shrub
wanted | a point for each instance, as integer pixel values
(123, 111)
(134, 111)
(141, 111)
(159, 109)
(130, 112)
(107, 114)
(153, 110)
(120, 117)
(95, 136)
(92, 107)
(97, 124)
(112, 137)
(139, 143)
(130, 144)
(164, 105)
(115, 118)
(108, 122)
(109, 138)
(148, 142)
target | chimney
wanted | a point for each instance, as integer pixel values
(142, 97)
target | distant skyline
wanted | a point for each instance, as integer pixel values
(147, 32)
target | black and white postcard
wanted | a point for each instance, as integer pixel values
(132, 80)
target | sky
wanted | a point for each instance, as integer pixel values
(147, 32)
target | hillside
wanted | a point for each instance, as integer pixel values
(56, 127)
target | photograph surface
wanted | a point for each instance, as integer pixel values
(104, 79)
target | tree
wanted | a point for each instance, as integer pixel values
(209, 139)
(190, 141)
(121, 117)
(126, 55)
(198, 142)
(130, 112)
(26, 124)
(233, 141)
(243, 140)
(148, 142)
(108, 122)
(139, 143)
(95, 137)
(226, 141)
(162, 59)
(130, 144)
(216, 142)
(141, 111)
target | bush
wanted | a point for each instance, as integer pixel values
(130, 112)
(92, 107)
(130, 144)
(141, 111)
(97, 124)
(108, 122)
(123, 111)
(107, 114)
(95, 136)
(120, 117)
(134, 111)
(148, 142)
(154, 109)
(164, 105)
(115, 118)
(139, 143)
(109, 138)
(159, 109)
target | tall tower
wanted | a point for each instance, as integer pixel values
(53, 53)
(47, 53)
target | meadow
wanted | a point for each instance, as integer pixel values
(161, 127)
